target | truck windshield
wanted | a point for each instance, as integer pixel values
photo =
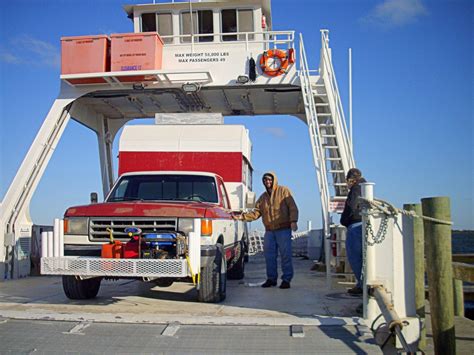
(165, 188)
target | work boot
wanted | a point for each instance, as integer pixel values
(355, 291)
(360, 309)
(269, 283)
(285, 284)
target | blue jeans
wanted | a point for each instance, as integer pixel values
(278, 240)
(354, 250)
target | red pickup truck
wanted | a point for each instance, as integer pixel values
(171, 220)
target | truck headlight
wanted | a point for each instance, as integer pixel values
(76, 225)
(185, 225)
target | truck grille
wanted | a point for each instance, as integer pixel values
(98, 227)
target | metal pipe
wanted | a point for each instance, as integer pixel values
(391, 317)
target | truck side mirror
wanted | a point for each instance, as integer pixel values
(94, 197)
(250, 199)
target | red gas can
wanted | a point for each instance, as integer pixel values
(112, 250)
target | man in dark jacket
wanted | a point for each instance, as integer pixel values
(279, 213)
(352, 219)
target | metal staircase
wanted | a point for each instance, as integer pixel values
(332, 149)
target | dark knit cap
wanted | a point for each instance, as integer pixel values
(354, 173)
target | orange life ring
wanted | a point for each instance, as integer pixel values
(275, 54)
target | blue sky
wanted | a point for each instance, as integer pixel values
(413, 77)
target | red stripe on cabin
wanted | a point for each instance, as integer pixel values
(226, 164)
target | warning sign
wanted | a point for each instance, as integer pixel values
(336, 206)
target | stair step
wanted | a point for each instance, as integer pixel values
(319, 95)
(333, 159)
(324, 114)
(337, 171)
(328, 135)
(322, 105)
(326, 125)
(339, 184)
(318, 85)
(331, 147)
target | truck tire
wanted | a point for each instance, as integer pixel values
(212, 287)
(164, 282)
(237, 266)
(80, 289)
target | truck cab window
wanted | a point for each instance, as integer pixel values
(201, 23)
(237, 20)
(225, 200)
(165, 188)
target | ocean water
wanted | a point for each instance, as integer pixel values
(463, 243)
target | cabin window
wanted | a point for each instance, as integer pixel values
(149, 22)
(237, 20)
(158, 22)
(200, 23)
(165, 26)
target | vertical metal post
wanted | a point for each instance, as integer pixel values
(367, 192)
(440, 273)
(350, 98)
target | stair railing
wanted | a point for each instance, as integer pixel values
(339, 120)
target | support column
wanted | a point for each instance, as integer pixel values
(105, 139)
(14, 215)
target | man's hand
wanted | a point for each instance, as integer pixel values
(237, 216)
(294, 226)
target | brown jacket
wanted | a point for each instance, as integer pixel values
(277, 210)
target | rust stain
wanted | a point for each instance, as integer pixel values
(123, 210)
(170, 211)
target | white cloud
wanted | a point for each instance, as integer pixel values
(25, 49)
(276, 132)
(9, 57)
(395, 13)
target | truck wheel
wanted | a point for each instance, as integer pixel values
(164, 282)
(237, 266)
(80, 289)
(212, 287)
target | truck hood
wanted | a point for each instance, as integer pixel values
(141, 209)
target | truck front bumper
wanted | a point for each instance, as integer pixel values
(87, 266)
(95, 266)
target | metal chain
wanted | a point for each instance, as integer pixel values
(376, 239)
(380, 236)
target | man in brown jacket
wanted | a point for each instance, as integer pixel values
(279, 213)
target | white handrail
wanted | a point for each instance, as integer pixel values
(327, 67)
(288, 38)
(319, 157)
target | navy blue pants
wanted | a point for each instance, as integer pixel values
(354, 250)
(274, 242)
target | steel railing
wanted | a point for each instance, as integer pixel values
(273, 38)
(327, 71)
